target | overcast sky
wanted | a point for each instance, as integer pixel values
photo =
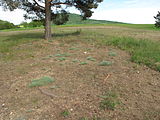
(129, 11)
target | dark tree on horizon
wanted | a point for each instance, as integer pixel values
(51, 10)
(157, 17)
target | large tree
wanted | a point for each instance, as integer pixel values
(157, 17)
(49, 10)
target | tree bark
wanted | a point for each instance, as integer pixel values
(48, 33)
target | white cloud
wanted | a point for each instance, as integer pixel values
(129, 15)
(15, 17)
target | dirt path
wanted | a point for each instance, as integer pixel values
(77, 88)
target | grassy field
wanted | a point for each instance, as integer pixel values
(86, 72)
(142, 48)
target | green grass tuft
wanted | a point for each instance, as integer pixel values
(112, 53)
(41, 81)
(61, 59)
(65, 113)
(105, 63)
(73, 48)
(75, 61)
(63, 55)
(83, 63)
(91, 58)
(109, 101)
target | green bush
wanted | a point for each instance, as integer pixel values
(34, 23)
(6, 25)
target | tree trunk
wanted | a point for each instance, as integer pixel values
(48, 34)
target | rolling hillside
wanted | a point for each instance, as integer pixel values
(77, 19)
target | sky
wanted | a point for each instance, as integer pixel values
(128, 11)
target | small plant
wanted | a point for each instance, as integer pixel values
(112, 54)
(105, 63)
(62, 55)
(61, 59)
(75, 60)
(83, 63)
(91, 58)
(73, 48)
(41, 81)
(65, 113)
(109, 101)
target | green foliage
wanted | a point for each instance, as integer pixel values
(62, 55)
(35, 10)
(109, 101)
(105, 63)
(65, 113)
(34, 23)
(41, 81)
(157, 17)
(112, 53)
(142, 51)
(91, 58)
(6, 25)
(61, 18)
(75, 60)
(83, 63)
(61, 58)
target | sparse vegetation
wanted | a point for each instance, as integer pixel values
(61, 58)
(65, 113)
(75, 60)
(111, 53)
(76, 87)
(62, 55)
(83, 63)
(41, 81)
(142, 51)
(109, 101)
(105, 63)
(91, 58)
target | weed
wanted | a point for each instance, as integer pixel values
(61, 58)
(91, 58)
(65, 113)
(83, 63)
(75, 60)
(112, 53)
(109, 101)
(105, 63)
(41, 81)
(62, 55)
(47, 57)
(73, 48)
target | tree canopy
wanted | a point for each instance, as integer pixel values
(157, 17)
(51, 10)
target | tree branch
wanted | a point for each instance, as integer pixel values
(38, 4)
(60, 3)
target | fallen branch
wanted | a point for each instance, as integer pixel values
(108, 75)
(47, 93)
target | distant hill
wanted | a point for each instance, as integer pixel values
(6, 25)
(77, 19)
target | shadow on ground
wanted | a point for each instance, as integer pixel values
(39, 35)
